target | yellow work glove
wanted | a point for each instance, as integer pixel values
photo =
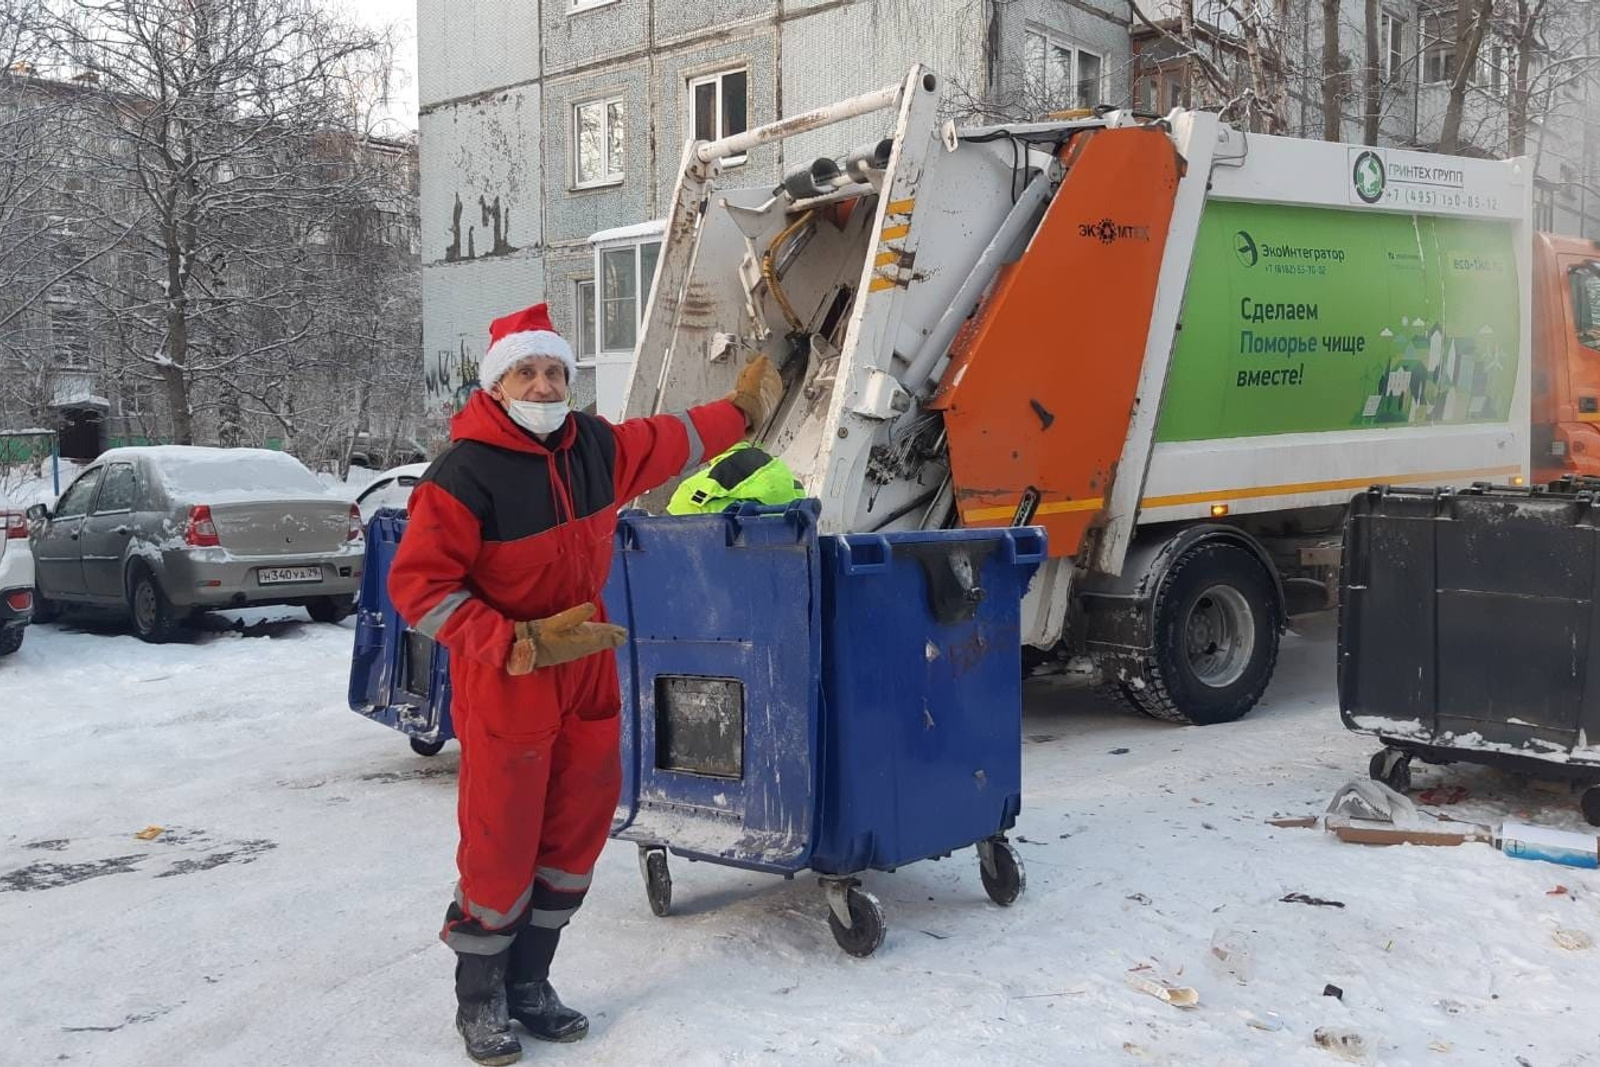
(757, 392)
(561, 639)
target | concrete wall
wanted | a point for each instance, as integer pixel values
(756, 51)
(584, 38)
(473, 46)
(1100, 28)
(866, 45)
(572, 214)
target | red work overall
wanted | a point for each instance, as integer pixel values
(503, 528)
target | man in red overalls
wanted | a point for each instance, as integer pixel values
(506, 552)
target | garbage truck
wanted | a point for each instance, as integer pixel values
(1177, 346)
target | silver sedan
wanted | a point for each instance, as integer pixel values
(166, 532)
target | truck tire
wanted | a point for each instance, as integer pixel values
(11, 639)
(1215, 638)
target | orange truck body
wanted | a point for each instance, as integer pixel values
(1566, 358)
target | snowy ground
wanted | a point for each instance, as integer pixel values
(287, 914)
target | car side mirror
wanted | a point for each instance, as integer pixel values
(37, 513)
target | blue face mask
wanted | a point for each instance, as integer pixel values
(537, 417)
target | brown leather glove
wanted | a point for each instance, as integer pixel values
(757, 392)
(561, 639)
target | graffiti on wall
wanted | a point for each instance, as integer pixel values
(449, 379)
(493, 219)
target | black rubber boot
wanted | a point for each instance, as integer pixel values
(531, 999)
(481, 1009)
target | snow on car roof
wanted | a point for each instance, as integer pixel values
(225, 475)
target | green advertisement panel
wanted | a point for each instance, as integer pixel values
(1299, 320)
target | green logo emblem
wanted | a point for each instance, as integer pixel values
(1369, 177)
(1244, 246)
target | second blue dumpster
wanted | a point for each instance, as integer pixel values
(836, 703)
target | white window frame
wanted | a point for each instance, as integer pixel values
(577, 7)
(590, 327)
(608, 177)
(716, 78)
(1068, 93)
(1391, 48)
(1496, 68)
(641, 290)
(1427, 44)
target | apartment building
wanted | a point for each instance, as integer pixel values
(544, 125)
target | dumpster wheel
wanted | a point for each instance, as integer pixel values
(657, 879)
(426, 748)
(1589, 804)
(1001, 869)
(865, 933)
(1392, 767)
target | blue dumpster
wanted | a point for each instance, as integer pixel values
(838, 704)
(790, 701)
(397, 676)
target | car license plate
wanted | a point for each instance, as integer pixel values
(280, 575)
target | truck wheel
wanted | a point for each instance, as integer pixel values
(1215, 637)
(153, 617)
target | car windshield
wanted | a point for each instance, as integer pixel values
(235, 474)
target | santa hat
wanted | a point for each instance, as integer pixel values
(519, 336)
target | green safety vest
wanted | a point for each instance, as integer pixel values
(742, 474)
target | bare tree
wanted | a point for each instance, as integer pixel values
(211, 117)
(1472, 23)
(1372, 88)
(1332, 74)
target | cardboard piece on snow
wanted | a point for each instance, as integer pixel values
(1368, 832)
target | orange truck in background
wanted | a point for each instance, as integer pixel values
(1566, 357)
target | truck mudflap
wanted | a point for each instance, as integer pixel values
(1037, 400)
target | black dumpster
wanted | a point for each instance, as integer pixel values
(1469, 630)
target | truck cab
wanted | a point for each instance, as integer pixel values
(1566, 345)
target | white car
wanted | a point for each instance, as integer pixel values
(391, 489)
(16, 579)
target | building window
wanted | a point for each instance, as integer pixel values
(583, 314)
(1149, 95)
(720, 105)
(626, 275)
(1438, 47)
(1492, 66)
(1174, 93)
(1057, 73)
(597, 133)
(1544, 207)
(1394, 45)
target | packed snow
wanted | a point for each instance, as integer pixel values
(287, 910)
